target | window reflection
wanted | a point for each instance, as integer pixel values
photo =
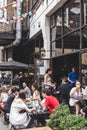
(72, 16)
(52, 22)
(59, 24)
(84, 69)
(56, 48)
(85, 11)
(84, 37)
(2, 13)
(34, 2)
(53, 33)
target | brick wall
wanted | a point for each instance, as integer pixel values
(12, 12)
(4, 27)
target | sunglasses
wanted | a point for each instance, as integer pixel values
(77, 84)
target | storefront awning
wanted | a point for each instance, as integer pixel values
(6, 38)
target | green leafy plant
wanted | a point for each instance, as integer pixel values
(62, 119)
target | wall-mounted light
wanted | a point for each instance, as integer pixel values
(39, 24)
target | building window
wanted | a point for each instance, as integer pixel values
(85, 11)
(59, 24)
(84, 37)
(34, 2)
(58, 47)
(56, 32)
(53, 37)
(84, 69)
(53, 21)
(2, 12)
(72, 42)
(71, 16)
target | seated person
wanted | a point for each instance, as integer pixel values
(18, 105)
(85, 91)
(35, 92)
(50, 101)
(4, 95)
(7, 106)
(64, 90)
(75, 95)
(3, 98)
(83, 111)
(27, 90)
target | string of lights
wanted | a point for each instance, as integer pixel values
(14, 18)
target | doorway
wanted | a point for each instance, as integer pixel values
(62, 66)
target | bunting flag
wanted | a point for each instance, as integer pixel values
(33, 11)
(30, 13)
(14, 19)
(11, 21)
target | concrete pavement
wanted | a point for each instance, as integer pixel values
(2, 126)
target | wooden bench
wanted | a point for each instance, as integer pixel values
(39, 128)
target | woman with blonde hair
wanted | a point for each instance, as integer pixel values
(3, 98)
(4, 95)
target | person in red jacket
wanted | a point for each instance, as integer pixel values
(50, 102)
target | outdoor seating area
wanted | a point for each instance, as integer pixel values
(38, 114)
(43, 64)
(25, 106)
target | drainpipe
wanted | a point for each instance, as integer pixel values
(18, 25)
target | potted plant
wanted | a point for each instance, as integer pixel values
(62, 119)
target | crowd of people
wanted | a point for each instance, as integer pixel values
(70, 91)
(19, 101)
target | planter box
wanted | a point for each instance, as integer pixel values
(39, 128)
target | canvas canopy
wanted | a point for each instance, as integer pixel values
(13, 65)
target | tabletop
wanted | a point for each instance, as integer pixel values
(85, 97)
(40, 117)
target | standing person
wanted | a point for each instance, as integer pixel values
(21, 78)
(27, 90)
(72, 77)
(48, 80)
(75, 95)
(50, 101)
(26, 78)
(64, 91)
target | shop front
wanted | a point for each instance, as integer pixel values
(63, 65)
(68, 29)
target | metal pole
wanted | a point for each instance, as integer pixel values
(18, 24)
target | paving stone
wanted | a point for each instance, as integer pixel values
(2, 126)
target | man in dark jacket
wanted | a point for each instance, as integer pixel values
(64, 90)
(7, 106)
